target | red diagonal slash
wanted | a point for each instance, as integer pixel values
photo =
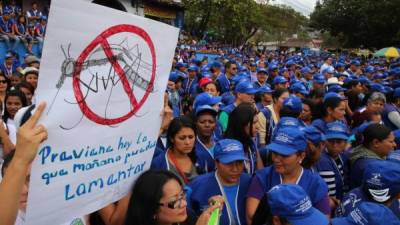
(102, 41)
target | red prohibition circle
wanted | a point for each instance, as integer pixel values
(102, 41)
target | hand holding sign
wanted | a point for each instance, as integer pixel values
(30, 136)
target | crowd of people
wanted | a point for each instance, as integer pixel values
(18, 26)
(265, 137)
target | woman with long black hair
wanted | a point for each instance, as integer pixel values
(242, 126)
(180, 157)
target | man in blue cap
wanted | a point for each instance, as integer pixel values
(262, 76)
(190, 82)
(307, 77)
(318, 81)
(299, 90)
(368, 213)
(289, 113)
(328, 63)
(279, 82)
(354, 68)
(224, 80)
(333, 164)
(380, 184)
(181, 69)
(173, 93)
(215, 69)
(290, 203)
(228, 180)
(244, 92)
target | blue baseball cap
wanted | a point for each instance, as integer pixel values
(262, 70)
(355, 62)
(272, 66)
(173, 76)
(203, 108)
(336, 88)
(287, 141)
(216, 64)
(229, 150)
(294, 103)
(193, 68)
(370, 69)
(382, 180)
(291, 202)
(180, 64)
(246, 87)
(332, 95)
(305, 69)
(279, 80)
(227, 98)
(264, 89)
(314, 135)
(9, 55)
(336, 130)
(378, 88)
(205, 99)
(299, 88)
(328, 70)
(318, 78)
(368, 213)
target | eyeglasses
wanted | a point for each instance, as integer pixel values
(177, 203)
(3, 81)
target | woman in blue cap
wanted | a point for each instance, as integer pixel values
(242, 126)
(333, 108)
(206, 122)
(180, 157)
(289, 203)
(287, 149)
(333, 164)
(229, 180)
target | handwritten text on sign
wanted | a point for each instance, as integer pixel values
(104, 80)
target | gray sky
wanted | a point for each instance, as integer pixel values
(303, 6)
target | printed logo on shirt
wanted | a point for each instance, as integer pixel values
(77, 221)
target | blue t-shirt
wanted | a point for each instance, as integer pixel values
(230, 192)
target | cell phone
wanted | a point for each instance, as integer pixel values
(214, 218)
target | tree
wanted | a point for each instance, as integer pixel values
(236, 21)
(359, 23)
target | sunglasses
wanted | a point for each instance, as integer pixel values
(3, 81)
(177, 203)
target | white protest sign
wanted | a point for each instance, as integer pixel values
(103, 75)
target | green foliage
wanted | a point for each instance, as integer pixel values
(359, 23)
(236, 21)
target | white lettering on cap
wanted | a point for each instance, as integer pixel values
(282, 137)
(358, 217)
(231, 148)
(375, 179)
(304, 205)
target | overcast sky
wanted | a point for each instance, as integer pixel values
(303, 6)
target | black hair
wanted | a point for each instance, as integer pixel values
(7, 161)
(278, 92)
(375, 131)
(13, 93)
(216, 86)
(8, 81)
(26, 85)
(146, 195)
(239, 118)
(351, 84)
(228, 64)
(332, 103)
(175, 126)
(286, 111)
